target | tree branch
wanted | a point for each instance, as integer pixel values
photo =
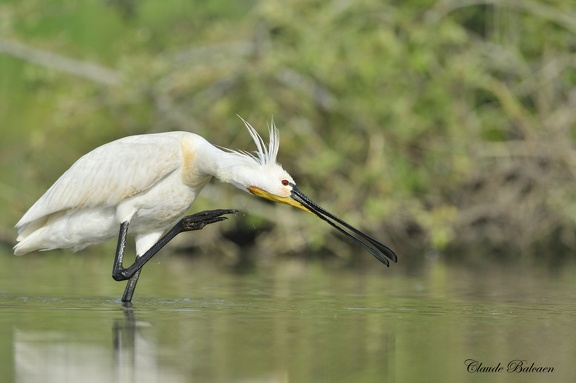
(84, 69)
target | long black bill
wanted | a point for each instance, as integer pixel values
(377, 249)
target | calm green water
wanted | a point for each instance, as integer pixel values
(61, 321)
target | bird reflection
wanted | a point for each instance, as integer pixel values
(64, 355)
(134, 355)
(73, 345)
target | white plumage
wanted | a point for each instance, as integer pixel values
(149, 181)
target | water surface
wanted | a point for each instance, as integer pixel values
(61, 321)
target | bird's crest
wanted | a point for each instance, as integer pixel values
(266, 154)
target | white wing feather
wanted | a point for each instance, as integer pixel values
(109, 174)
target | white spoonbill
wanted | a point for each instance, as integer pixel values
(146, 183)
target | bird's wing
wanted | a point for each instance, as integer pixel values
(109, 174)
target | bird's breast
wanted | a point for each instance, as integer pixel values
(162, 205)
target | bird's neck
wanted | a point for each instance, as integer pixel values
(226, 166)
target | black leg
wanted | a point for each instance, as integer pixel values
(130, 287)
(118, 260)
(119, 257)
(189, 223)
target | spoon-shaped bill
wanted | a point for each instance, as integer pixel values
(374, 247)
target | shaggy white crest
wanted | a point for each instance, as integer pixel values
(265, 155)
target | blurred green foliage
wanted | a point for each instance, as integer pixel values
(435, 125)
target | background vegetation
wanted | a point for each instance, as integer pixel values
(441, 127)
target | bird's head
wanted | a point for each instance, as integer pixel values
(281, 191)
(258, 172)
(267, 179)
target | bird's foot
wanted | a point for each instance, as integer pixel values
(199, 220)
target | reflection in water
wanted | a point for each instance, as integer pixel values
(47, 357)
(57, 357)
(131, 354)
(297, 325)
(135, 356)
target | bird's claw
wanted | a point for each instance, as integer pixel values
(199, 220)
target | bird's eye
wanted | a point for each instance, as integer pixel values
(285, 182)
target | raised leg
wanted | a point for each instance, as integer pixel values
(189, 223)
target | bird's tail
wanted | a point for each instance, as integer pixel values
(30, 241)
